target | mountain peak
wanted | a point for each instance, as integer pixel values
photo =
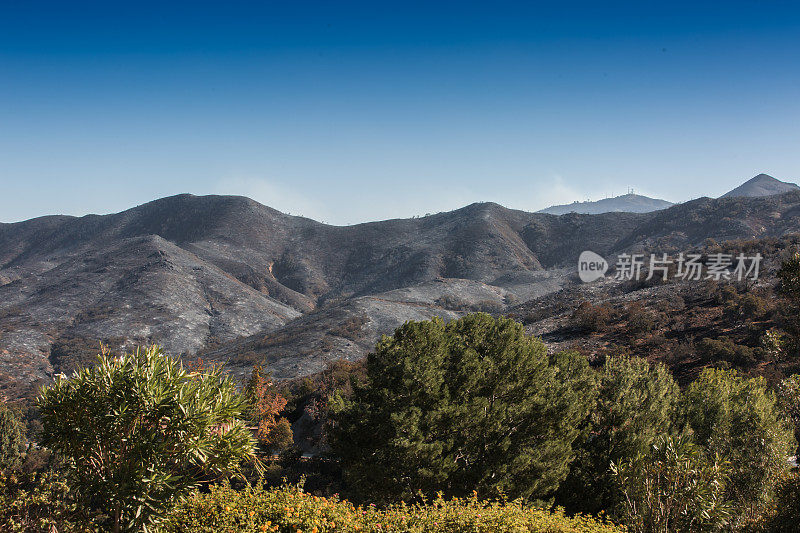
(630, 203)
(761, 185)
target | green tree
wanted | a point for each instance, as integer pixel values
(473, 404)
(140, 431)
(739, 420)
(673, 487)
(636, 402)
(788, 395)
(12, 440)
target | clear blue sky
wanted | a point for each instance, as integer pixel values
(347, 112)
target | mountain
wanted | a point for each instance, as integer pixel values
(229, 280)
(761, 185)
(627, 203)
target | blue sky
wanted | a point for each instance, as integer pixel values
(349, 112)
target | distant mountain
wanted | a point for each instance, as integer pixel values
(761, 185)
(627, 203)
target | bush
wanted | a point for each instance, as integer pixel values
(739, 420)
(673, 487)
(289, 509)
(12, 441)
(640, 319)
(635, 403)
(39, 501)
(140, 431)
(724, 349)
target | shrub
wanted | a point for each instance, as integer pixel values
(739, 420)
(39, 501)
(140, 431)
(724, 349)
(12, 441)
(290, 509)
(640, 319)
(673, 487)
(635, 403)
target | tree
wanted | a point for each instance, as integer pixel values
(474, 404)
(739, 420)
(140, 431)
(635, 402)
(788, 396)
(673, 487)
(12, 440)
(789, 276)
(267, 403)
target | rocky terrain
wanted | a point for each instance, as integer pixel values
(232, 281)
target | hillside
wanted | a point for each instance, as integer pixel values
(234, 281)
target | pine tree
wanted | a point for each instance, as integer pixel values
(473, 404)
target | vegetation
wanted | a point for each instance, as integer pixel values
(139, 431)
(266, 404)
(473, 404)
(636, 402)
(673, 487)
(290, 509)
(739, 420)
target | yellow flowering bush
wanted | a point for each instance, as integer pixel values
(291, 510)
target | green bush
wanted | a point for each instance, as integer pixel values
(290, 510)
(739, 420)
(673, 487)
(139, 431)
(635, 403)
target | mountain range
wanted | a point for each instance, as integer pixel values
(761, 185)
(231, 281)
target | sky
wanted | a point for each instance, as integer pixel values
(348, 112)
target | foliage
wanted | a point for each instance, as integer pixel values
(140, 431)
(474, 403)
(267, 403)
(739, 420)
(674, 487)
(289, 509)
(784, 517)
(40, 501)
(636, 402)
(724, 349)
(12, 440)
(789, 276)
(788, 395)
